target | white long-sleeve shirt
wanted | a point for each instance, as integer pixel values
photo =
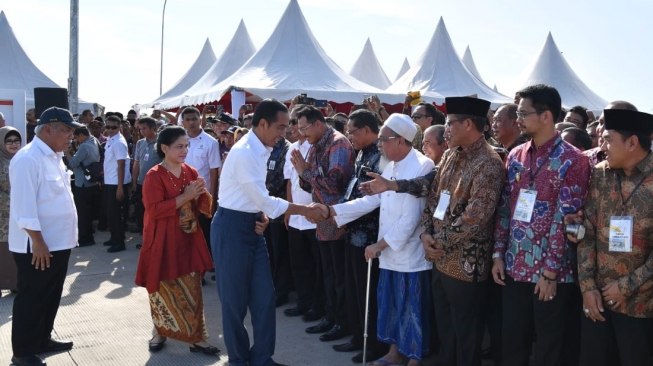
(299, 195)
(399, 221)
(204, 155)
(242, 184)
(41, 199)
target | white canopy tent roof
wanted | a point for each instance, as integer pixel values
(440, 73)
(551, 68)
(17, 71)
(469, 63)
(405, 67)
(368, 69)
(291, 62)
(237, 52)
(201, 65)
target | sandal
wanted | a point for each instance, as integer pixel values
(384, 362)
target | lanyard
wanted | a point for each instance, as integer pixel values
(624, 202)
(533, 175)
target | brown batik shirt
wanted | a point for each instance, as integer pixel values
(474, 177)
(597, 265)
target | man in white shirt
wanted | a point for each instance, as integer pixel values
(403, 291)
(42, 230)
(243, 275)
(116, 183)
(204, 156)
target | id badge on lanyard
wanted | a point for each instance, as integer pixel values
(621, 234)
(525, 205)
(443, 204)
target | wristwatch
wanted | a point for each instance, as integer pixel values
(497, 255)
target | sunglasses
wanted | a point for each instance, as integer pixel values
(111, 127)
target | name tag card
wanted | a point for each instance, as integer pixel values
(525, 205)
(146, 157)
(443, 203)
(621, 234)
(271, 165)
(350, 188)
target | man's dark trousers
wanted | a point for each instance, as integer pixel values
(84, 200)
(37, 301)
(306, 268)
(333, 264)
(115, 210)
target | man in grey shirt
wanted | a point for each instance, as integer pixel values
(145, 157)
(84, 191)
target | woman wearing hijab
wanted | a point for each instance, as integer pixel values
(11, 142)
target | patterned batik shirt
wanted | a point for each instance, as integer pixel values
(332, 164)
(529, 248)
(274, 180)
(597, 265)
(474, 177)
(595, 156)
(363, 231)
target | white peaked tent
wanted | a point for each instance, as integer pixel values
(290, 62)
(405, 67)
(201, 65)
(495, 88)
(238, 51)
(17, 71)
(468, 61)
(440, 73)
(551, 68)
(368, 69)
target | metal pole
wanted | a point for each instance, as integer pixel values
(73, 57)
(163, 22)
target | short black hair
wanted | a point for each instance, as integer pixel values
(189, 110)
(86, 112)
(543, 98)
(115, 119)
(340, 114)
(131, 111)
(337, 124)
(99, 118)
(581, 139)
(150, 122)
(82, 131)
(622, 104)
(362, 118)
(117, 114)
(167, 136)
(582, 112)
(431, 111)
(268, 109)
(643, 138)
(311, 114)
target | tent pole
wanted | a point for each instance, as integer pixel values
(163, 22)
(73, 57)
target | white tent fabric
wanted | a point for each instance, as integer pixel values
(404, 68)
(469, 63)
(551, 68)
(368, 69)
(237, 52)
(201, 65)
(495, 88)
(17, 71)
(440, 73)
(291, 62)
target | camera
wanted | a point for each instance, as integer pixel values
(575, 230)
(321, 103)
(303, 99)
(248, 107)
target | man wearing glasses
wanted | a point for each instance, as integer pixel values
(425, 115)
(546, 179)
(325, 173)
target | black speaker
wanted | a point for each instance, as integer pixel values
(45, 98)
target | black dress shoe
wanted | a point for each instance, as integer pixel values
(86, 243)
(337, 332)
(155, 347)
(348, 347)
(108, 243)
(370, 355)
(312, 315)
(210, 350)
(56, 346)
(278, 364)
(324, 326)
(281, 300)
(139, 246)
(31, 360)
(116, 247)
(296, 311)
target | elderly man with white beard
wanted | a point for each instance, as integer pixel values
(403, 293)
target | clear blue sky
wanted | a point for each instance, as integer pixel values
(609, 44)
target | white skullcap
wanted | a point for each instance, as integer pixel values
(403, 125)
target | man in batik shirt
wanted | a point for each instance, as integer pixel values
(615, 260)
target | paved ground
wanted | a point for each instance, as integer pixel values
(108, 318)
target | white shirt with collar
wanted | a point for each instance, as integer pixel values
(401, 213)
(242, 184)
(41, 199)
(299, 195)
(116, 149)
(203, 155)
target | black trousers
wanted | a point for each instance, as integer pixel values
(356, 288)
(139, 207)
(619, 340)
(333, 264)
(281, 274)
(37, 301)
(306, 269)
(84, 200)
(521, 311)
(492, 317)
(116, 211)
(458, 312)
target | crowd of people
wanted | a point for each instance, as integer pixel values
(412, 234)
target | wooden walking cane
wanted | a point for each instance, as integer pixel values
(367, 306)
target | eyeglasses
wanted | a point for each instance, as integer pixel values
(522, 115)
(112, 127)
(417, 116)
(386, 138)
(12, 142)
(350, 133)
(303, 129)
(449, 122)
